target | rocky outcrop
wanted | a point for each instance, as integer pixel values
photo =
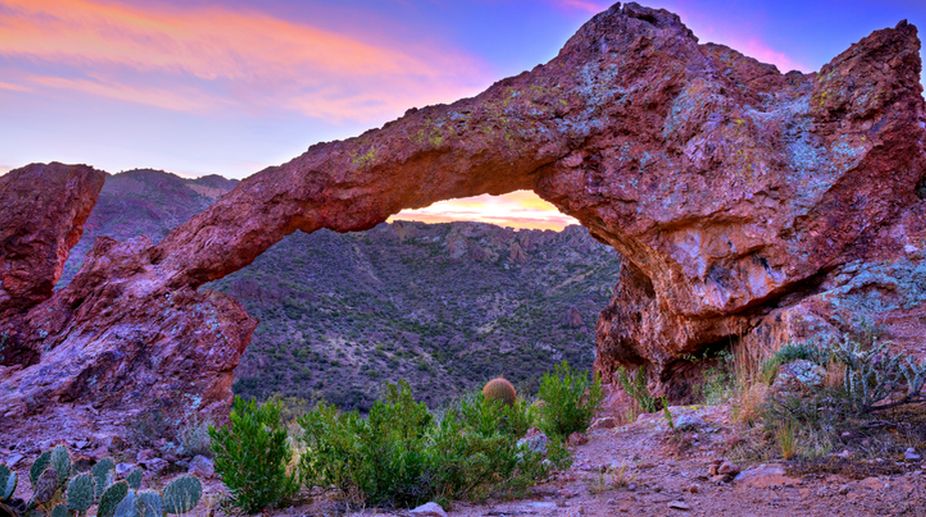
(44, 209)
(750, 207)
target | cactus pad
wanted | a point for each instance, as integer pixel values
(80, 493)
(7, 483)
(182, 495)
(111, 498)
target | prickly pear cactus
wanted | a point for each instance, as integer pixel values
(182, 495)
(7, 483)
(46, 486)
(134, 479)
(111, 498)
(149, 504)
(80, 493)
(61, 462)
(103, 473)
(41, 463)
(60, 511)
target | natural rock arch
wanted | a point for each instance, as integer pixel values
(745, 203)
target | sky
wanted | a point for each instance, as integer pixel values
(201, 86)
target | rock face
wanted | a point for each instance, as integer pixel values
(44, 209)
(751, 207)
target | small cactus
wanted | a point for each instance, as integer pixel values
(134, 479)
(102, 476)
(500, 389)
(46, 486)
(111, 498)
(182, 495)
(126, 507)
(41, 463)
(61, 462)
(80, 493)
(149, 504)
(60, 511)
(7, 483)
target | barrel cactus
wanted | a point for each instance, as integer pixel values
(500, 389)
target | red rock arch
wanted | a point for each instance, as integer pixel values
(736, 194)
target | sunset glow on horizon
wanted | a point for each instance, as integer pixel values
(201, 87)
(519, 209)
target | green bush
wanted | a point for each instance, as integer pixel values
(636, 388)
(382, 457)
(252, 454)
(570, 400)
(401, 455)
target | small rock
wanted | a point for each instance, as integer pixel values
(632, 487)
(155, 465)
(911, 455)
(202, 467)
(430, 509)
(798, 376)
(145, 455)
(607, 422)
(844, 489)
(693, 489)
(123, 469)
(576, 439)
(535, 441)
(765, 476)
(688, 422)
(81, 444)
(728, 467)
(845, 454)
(13, 459)
(679, 505)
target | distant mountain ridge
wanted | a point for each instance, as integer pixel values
(444, 306)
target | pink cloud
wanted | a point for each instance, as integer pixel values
(587, 6)
(12, 87)
(247, 57)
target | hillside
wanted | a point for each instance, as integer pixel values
(445, 306)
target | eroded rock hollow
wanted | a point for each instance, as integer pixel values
(751, 208)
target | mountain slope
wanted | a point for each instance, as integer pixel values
(444, 306)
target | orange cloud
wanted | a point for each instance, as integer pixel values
(245, 55)
(519, 209)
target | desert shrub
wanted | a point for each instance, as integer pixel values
(570, 400)
(193, 438)
(475, 451)
(635, 387)
(251, 455)
(382, 457)
(401, 455)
